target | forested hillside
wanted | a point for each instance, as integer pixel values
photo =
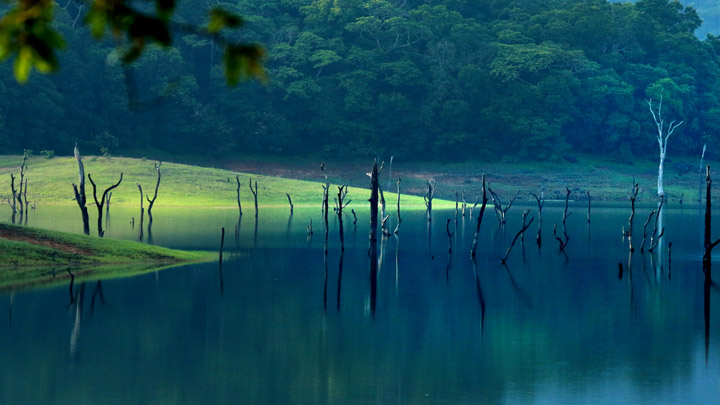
(455, 79)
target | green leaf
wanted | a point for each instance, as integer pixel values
(220, 19)
(23, 64)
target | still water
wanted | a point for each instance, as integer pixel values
(283, 323)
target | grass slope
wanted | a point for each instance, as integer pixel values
(28, 255)
(50, 181)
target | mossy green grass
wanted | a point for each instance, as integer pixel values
(50, 182)
(35, 256)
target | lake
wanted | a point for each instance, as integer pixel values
(283, 323)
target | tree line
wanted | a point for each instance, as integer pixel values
(517, 79)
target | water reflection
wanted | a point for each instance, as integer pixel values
(558, 330)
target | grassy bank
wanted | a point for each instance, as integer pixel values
(50, 181)
(606, 179)
(29, 255)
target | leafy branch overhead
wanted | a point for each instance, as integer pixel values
(27, 33)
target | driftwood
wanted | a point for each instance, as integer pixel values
(79, 190)
(521, 232)
(101, 202)
(255, 193)
(157, 186)
(480, 218)
(237, 190)
(540, 203)
(501, 212)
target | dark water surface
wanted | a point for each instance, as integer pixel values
(283, 324)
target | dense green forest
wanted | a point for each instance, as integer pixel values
(449, 80)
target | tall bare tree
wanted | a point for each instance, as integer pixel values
(663, 133)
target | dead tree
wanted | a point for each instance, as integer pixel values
(79, 190)
(589, 201)
(650, 217)
(450, 235)
(428, 199)
(342, 193)
(701, 171)
(255, 193)
(707, 256)
(524, 217)
(142, 209)
(157, 186)
(501, 212)
(464, 205)
(563, 242)
(17, 194)
(480, 218)
(399, 220)
(629, 232)
(653, 240)
(663, 133)
(521, 232)
(237, 190)
(13, 204)
(107, 207)
(373, 204)
(540, 203)
(326, 193)
(292, 207)
(101, 202)
(472, 209)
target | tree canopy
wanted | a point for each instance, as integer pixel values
(452, 79)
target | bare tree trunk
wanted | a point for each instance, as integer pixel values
(663, 134)
(480, 218)
(374, 204)
(101, 202)
(653, 240)
(342, 193)
(428, 199)
(540, 203)
(237, 180)
(589, 202)
(521, 232)
(633, 197)
(255, 193)
(707, 257)
(561, 242)
(80, 196)
(152, 202)
(326, 193)
(142, 211)
(399, 220)
(292, 207)
(700, 172)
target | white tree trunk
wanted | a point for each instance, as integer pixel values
(660, 190)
